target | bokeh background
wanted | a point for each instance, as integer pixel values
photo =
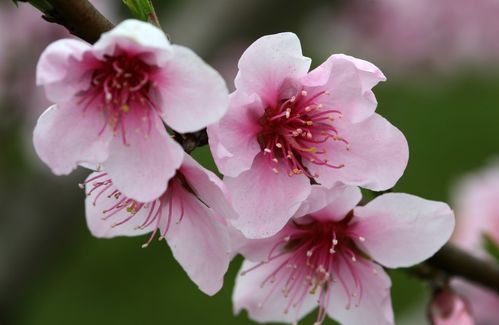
(441, 58)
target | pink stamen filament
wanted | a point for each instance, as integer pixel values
(119, 85)
(319, 253)
(154, 216)
(295, 132)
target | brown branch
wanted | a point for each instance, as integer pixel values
(190, 141)
(456, 262)
(80, 17)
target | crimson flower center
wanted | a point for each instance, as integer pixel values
(309, 259)
(296, 130)
(120, 86)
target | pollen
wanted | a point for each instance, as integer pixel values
(295, 132)
(121, 84)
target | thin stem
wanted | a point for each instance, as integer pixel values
(153, 18)
(79, 17)
(456, 262)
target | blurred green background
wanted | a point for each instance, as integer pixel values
(52, 271)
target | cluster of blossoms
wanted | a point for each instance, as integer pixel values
(294, 147)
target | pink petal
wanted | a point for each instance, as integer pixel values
(484, 302)
(330, 204)
(65, 137)
(136, 38)
(60, 70)
(265, 201)
(194, 94)
(210, 189)
(268, 62)
(476, 204)
(257, 250)
(349, 82)
(449, 308)
(199, 243)
(233, 140)
(248, 294)
(375, 305)
(401, 230)
(103, 227)
(376, 159)
(141, 168)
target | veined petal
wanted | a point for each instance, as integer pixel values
(61, 71)
(210, 189)
(233, 140)
(330, 204)
(268, 63)
(104, 225)
(137, 38)
(264, 200)
(194, 95)
(349, 82)
(374, 306)
(199, 242)
(375, 158)
(401, 230)
(142, 167)
(65, 137)
(265, 304)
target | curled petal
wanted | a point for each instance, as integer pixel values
(268, 63)
(349, 82)
(233, 140)
(61, 70)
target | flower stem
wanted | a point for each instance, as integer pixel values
(456, 262)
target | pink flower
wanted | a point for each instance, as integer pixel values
(477, 209)
(191, 215)
(331, 255)
(477, 206)
(111, 99)
(483, 302)
(286, 125)
(449, 308)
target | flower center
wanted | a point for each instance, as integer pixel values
(157, 214)
(120, 85)
(296, 130)
(309, 259)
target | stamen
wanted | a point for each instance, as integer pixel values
(298, 127)
(305, 265)
(120, 85)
